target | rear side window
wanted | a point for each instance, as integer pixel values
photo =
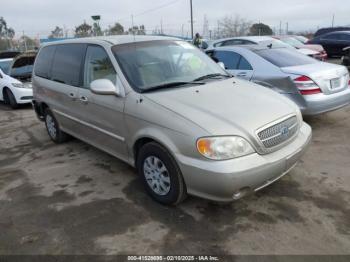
(43, 62)
(66, 67)
(230, 59)
(283, 57)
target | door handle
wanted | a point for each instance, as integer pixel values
(242, 74)
(84, 99)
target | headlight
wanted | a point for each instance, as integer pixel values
(224, 148)
(18, 85)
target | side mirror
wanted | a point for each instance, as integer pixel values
(222, 65)
(104, 87)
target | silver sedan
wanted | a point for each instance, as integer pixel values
(316, 87)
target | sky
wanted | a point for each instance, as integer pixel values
(38, 17)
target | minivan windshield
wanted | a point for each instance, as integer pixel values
(284, 57)
(164, 63)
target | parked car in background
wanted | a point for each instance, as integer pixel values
(163, 106)
(327, 30)
(346, 57)
(316, 87)
(302, 39)
(290, 40)
(265, 41)
(16, 80)
(9, 54)
(13, 91)
(333, 43)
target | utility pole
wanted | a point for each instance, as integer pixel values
(161, 25)
(280, 27)
(25, 42)
(333, 20)
(287, 28)
(132, 25)
(191, 19)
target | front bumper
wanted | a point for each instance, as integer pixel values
(223, 180)
(321, 103)
(23, 95)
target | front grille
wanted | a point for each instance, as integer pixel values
(279, 133)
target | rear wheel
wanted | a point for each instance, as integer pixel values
(160, 174)
(10, 99)
(53, 128)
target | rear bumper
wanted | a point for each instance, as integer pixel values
(222, 180)
(318, 104)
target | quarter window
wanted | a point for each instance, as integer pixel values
(97, 66)
(43, 62)
(66, 67)
(244, 64)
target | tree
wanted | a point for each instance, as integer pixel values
(116, 29)
(83, 30)
(6, 35)
(4, 30)
(260, 29)
(232, 26)
(56, 33)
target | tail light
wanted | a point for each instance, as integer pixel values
(306, 86)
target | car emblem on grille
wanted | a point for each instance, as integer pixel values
(285, 131)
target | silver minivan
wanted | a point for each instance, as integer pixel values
(166, 108)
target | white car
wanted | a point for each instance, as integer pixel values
(258, 40)
(13, 91)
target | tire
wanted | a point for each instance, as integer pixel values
(53, 128)
(166, 186)
(10, 99)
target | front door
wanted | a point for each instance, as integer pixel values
(101, 115)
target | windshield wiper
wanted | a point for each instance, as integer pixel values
(169, 85)
(211, 76)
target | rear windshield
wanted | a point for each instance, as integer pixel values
(283, 57)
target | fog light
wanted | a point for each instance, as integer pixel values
(242, 193)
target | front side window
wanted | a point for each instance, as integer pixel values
(345, 37)
(153, 63)
(97, 66)
(230, 59)
(331, 37)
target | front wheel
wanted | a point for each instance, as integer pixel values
(160, 174)
(53, 128)
(10, 99)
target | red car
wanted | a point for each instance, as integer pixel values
(291, 40)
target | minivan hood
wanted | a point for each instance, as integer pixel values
(229, 107)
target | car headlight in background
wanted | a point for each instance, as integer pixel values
(18, 85)
(224, 148)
